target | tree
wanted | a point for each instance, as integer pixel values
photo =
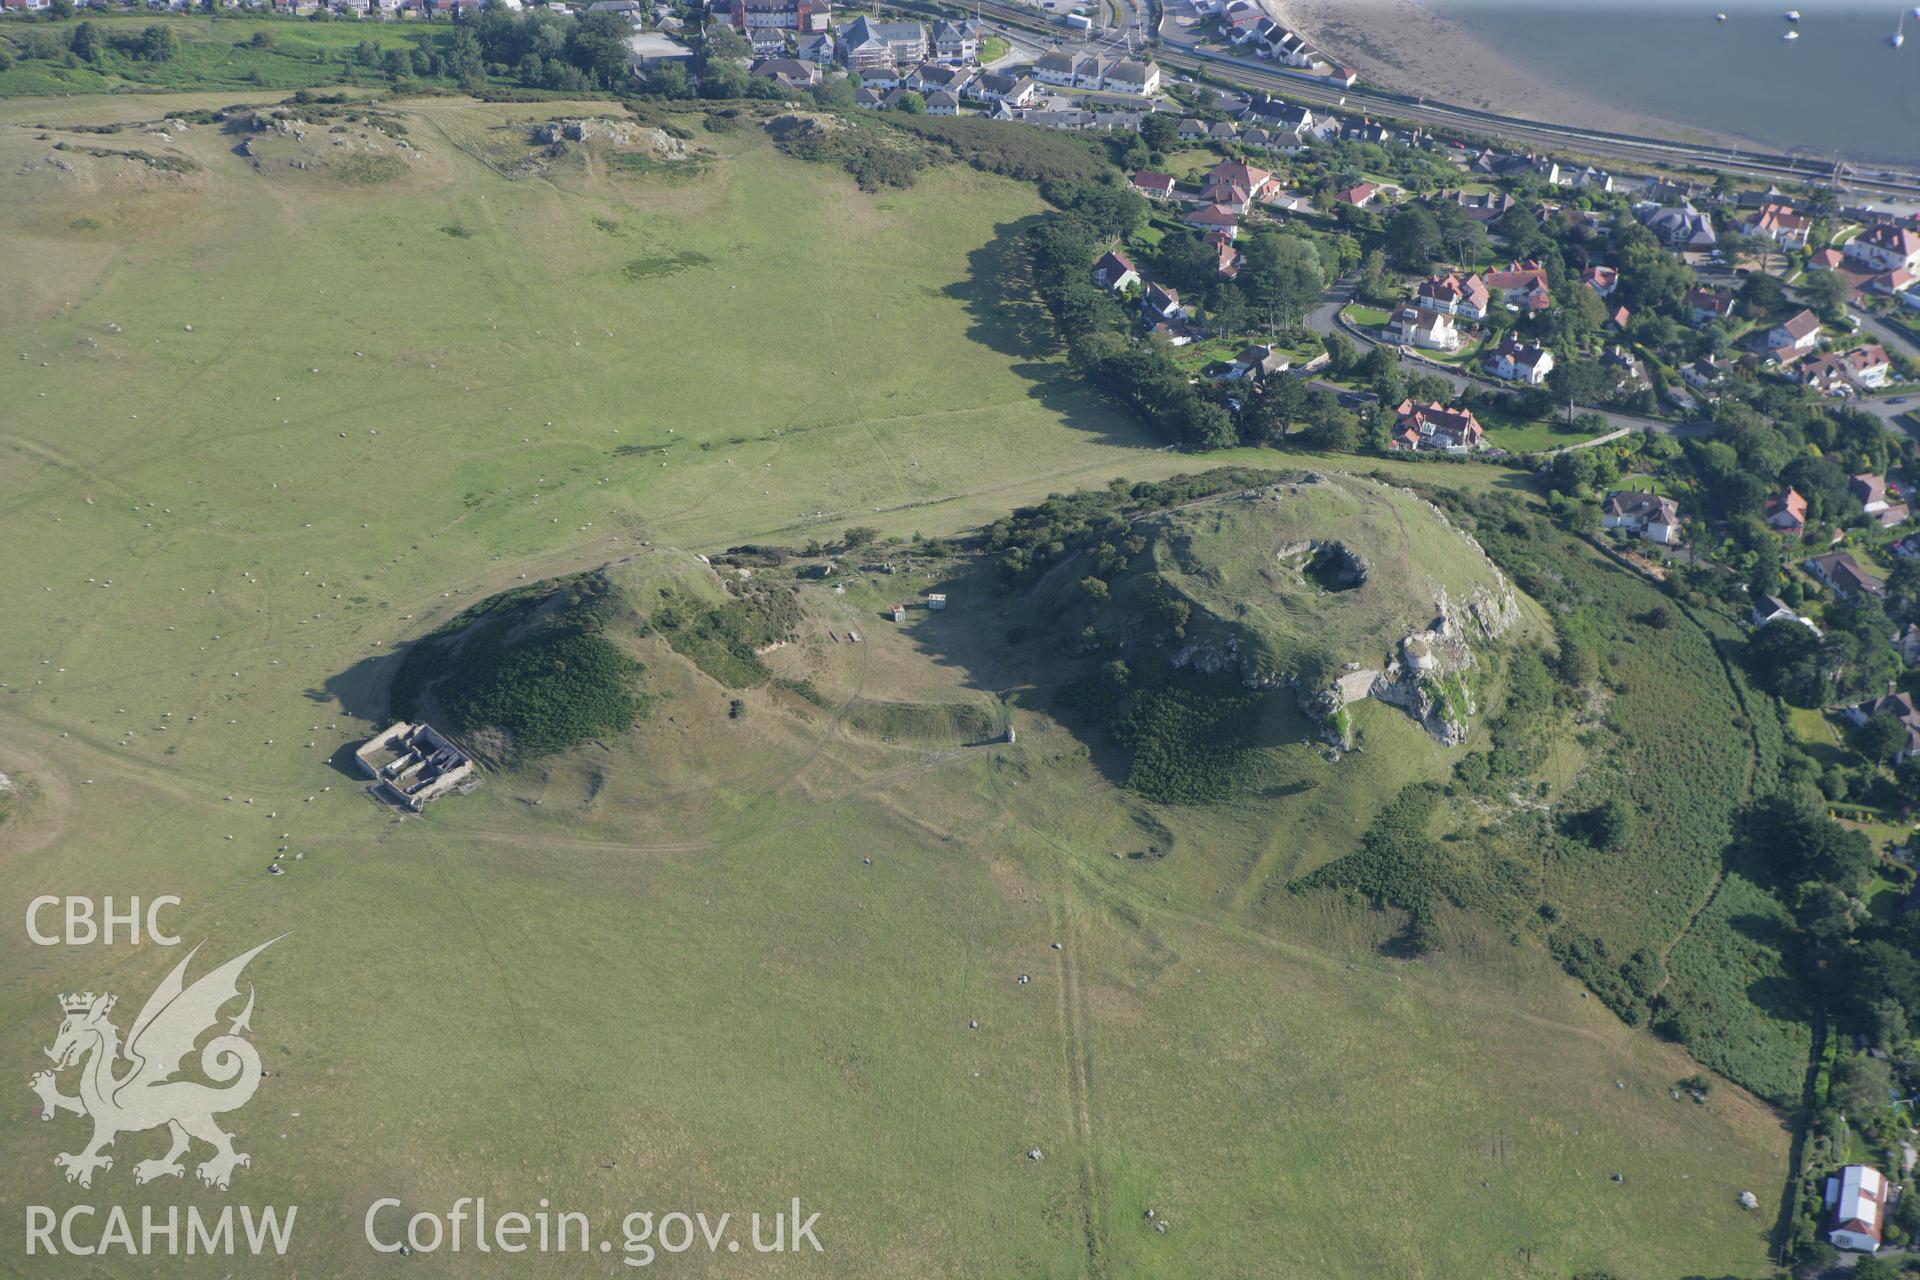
(911, 104)
(1270, 415)
(1413, 238)
(1334, 432)
(84, 43)
(1881, 738)
(1762, 294)
(667, 80)
(1160, 130)
(1573, 380)
(1861, 1084)
(157, 43)
(1825, 291)
(1283, 276)
(60, 10)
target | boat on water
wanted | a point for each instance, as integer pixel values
(1719, 17)
(1791, 35)
(1793, 15)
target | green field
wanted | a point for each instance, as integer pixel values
(213, 52)
(268, 424)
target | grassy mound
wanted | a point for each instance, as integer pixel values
(527, 673)
(1211, 620)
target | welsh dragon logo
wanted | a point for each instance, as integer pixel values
(146, 1094)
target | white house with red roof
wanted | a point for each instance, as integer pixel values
(1857, 1198)
(1221, 218)
(1523, 284)
(1456, 296)
(1798, 332)
(1157, 186)
(1257, 183)
(1886, 248)
(1434, 426)
(1780, 224)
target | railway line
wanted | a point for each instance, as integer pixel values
(1312, 91)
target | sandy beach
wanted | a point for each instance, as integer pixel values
(1404, 46)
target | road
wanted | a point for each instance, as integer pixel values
(1180, 51)
(1325, 319)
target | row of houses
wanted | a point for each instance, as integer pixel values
(1089, 71)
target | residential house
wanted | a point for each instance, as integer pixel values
(1128, 75)
(1055, 66)
(1221, 219)
(1891, 283)
(1418, 327)
(1825, 260)
(1705, 375)
(1885, 248)
(1155, 186)
(1907, 642)
(1878, 499)
(1704, 305)
(1192, 130)
(1774, 609)
(1481, 208)
(1161, 302)
(1515, 361)
(1434, 426)
(1798, 332)
(1843, 574)
(1257, 362)
(1227, 259)
(1115, 271)
(1680, 227)
(1780, 224)
(1359, 196)
(1256, 183)
(767, 42)
(1826, 373)
(1623, 371)
(957, 42)
(1652, 516)
(943, 102)
(1602, 280)
(1522, 284)
(1868, 366)
(789, 72)
(1457, 297)
(1014, 91)
(1787, 512)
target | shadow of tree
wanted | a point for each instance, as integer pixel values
(1006, 316)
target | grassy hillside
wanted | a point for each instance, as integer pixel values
(275, 424)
